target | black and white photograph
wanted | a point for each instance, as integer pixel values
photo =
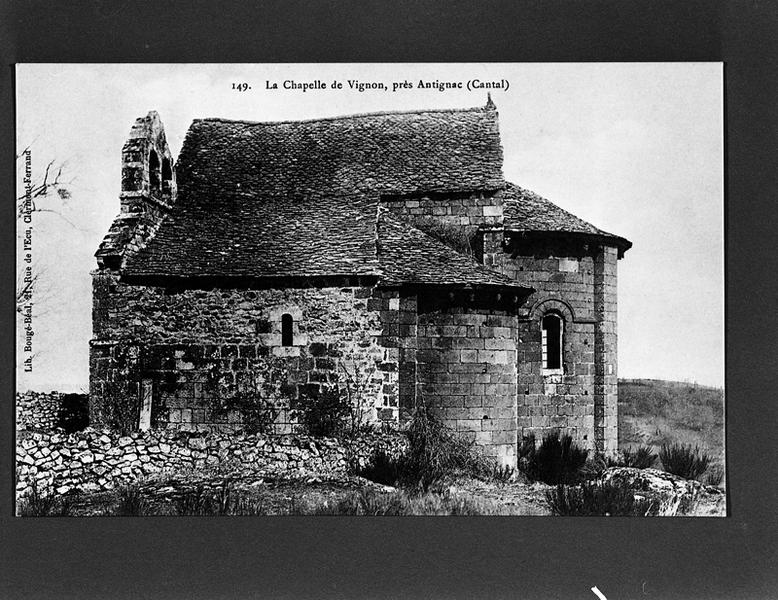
(390, 289)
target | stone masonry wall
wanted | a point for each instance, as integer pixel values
(200, 347)
(467, 373)
(398, 312)
(37, 411)
(605, 349)
(578, 283)
(463, 210)
(96, 460)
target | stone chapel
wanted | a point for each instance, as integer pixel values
(384, 252)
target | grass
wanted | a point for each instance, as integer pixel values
(400, 503)
(714, 476)
(684, 460)
(40, 504)
(131, 502)
(596, 499)
(640, 457)
(435, 453)
(382, 468)
(557, 460)
(229, 500)
(653, 413)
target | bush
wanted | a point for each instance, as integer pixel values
(324, 414)
(131, 502)
(118, 407)
(434, 453)
(259, 414)
(258, 396)
(502, 473)
(74, 412)
(557, 460)
(382, 468)
(38, 504)
(642, 457)
(196, 501)
(713, 477)
(221, 501)
(592, 499)
(684, 460)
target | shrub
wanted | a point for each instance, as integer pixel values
(434, 452)
(196, 501)
(557, 460)
(642, 457)
(503, 473)
(131, 502)
(259, 415)
(713, 476)
(382, 468)
(527, 448)
(119, 405)
(258, 395)
(74, 412)
(324, 414)
(595, 465)
(39, 504)
(597, 499)
(223, 500)
(247, 506)
(684, 460)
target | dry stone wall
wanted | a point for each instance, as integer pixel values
(37, 411)
(199, 349)
(98, 460)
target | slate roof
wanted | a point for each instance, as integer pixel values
(401, 152)
(407, 255)
(258, 237)
(301, 200)
(525, 211)
(294, 238)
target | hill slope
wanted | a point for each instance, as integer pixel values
(654, 412)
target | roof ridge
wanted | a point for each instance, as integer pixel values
(349, 116)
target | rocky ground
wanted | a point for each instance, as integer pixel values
(271, 495)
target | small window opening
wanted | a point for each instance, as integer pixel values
(154, 179)
(286, 330)
(552, 326)
(167, 175)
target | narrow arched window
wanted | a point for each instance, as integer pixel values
(154, 174)
(287, 334)
(552, 327)
(167, 175)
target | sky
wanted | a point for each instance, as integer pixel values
(634, 148)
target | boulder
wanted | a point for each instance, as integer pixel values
(652, 482)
